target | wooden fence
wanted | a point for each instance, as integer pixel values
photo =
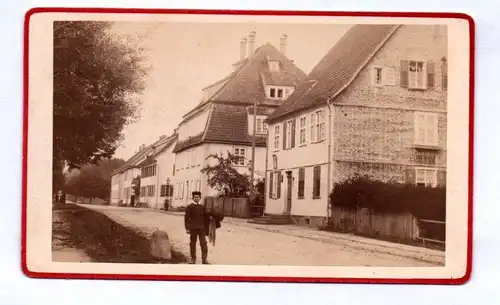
(393, 226)
(228, 206)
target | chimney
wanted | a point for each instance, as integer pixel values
(283, 44)
(243, 48)
(251, 43)
(153, 150)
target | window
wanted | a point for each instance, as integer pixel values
(426, 129)
(426, 177)
(258, 126)
(240, 153)
(277, 137)
(275, 185)
(377, 76)
(272, 92)
(274, 65)
(167, 191)
(289, 134)
(280, 93)
(302, 174)
(317, 126)
(302, 130)
(425, 157)
(198, 185)
(389, 76)
(317, 182)
(417, 75)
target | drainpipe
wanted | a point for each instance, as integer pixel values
(329, 186)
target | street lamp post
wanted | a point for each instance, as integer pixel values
(167, 199)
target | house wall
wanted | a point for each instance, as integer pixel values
(188, 164)
(193, 126)
(165, 169)
(188, 176)
(374, 125)
(115, 189)
(304, 156)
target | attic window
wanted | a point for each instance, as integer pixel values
(276, 93)
(274, 66)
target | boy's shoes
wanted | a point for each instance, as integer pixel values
(205, 262)
(192, 262)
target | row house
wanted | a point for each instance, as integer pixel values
(223, 121)
(375, 104)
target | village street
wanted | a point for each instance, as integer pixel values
(242, 243)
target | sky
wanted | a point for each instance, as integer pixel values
(186, 57)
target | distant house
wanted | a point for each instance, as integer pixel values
(375, 104)
(156, 168)
(223, 121)
(121, 180)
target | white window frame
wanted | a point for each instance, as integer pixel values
(426, 128)
(259, 125)
(241, 157)
(289, 134)
(276, 137)
(317, 126)
(303, 130)
(413, 75)
(429, 176)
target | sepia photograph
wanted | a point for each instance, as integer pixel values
(237, 147)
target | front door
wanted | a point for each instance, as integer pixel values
(288, 202)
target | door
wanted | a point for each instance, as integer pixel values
(288, 200)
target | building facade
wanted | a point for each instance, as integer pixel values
(380, 111)
(223, 121)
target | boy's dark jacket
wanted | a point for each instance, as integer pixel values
(198, 217)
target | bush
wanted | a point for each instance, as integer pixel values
(390, 197)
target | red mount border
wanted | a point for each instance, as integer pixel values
(456, 281)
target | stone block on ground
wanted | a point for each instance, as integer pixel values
(160, 245)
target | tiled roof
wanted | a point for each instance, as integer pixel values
(137, 157)
(246, 84)
(338, 67)
(190, 142)
(233, 128)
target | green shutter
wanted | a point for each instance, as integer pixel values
(293, 134)
(404, 77)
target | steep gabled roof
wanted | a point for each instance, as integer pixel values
(338, 68)
(135, 160)
(228, 119)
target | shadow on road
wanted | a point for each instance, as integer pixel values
(102, 239)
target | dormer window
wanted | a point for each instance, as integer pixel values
(274, 66)
(278, 93)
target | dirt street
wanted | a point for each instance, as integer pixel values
(241, 243)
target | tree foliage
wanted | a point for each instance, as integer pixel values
(97, 78)
(91, 180)
(136, 185)
(224, 178)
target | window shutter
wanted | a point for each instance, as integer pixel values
(284, 135)
(278, 188)
(293, 134)
(444, 76)
(441, 178)
(271, 182)
(430, 75)
(410, 177)
(404, 68)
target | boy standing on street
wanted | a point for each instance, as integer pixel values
(195, 221)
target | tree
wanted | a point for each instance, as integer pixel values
(97, 78)
(92, 181)
(136, 185)
(224, 178)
